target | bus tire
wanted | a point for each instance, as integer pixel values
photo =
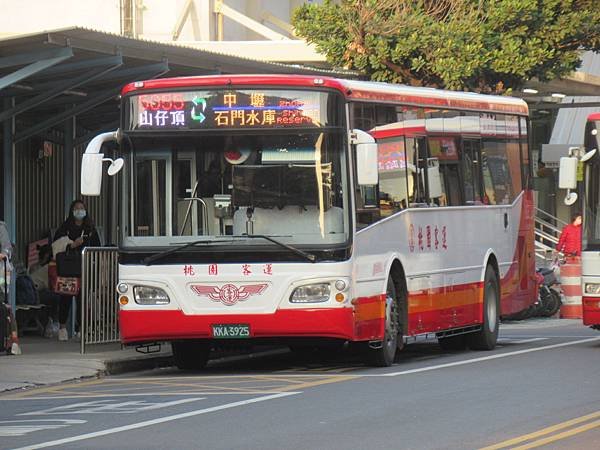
(486, 338)
(190, 354)
(384, 355)
(453, 343)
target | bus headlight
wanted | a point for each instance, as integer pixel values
(147, 295)
(592, 288)
(311, 293)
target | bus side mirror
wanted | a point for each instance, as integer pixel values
(567, 172)
(567, 177)
(367, 171)
(91, 174)
(91, 164)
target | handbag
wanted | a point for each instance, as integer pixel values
(67, 286)
(62, 285)
(68, 264)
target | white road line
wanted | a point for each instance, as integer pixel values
(145, 394)
(564, 336)
(520, 341)
(148, 423)
(487, 358)
(105, 406)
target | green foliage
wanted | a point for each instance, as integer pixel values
(481, 45)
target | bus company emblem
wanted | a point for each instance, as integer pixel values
(229, 294)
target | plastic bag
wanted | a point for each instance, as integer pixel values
(557, 261)
(51, 330)
(60, 245)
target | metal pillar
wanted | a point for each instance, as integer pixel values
(8, 154)
(68, 166)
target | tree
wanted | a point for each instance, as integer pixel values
(491, 46)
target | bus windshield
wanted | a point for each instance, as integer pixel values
(290, 186)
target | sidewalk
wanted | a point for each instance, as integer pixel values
(47, 361)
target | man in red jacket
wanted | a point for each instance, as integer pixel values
(570, 239)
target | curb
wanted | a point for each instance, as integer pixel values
(120, 366)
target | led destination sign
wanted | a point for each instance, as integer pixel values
(239, 109)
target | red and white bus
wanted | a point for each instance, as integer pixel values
(305, 209)
(590, 255)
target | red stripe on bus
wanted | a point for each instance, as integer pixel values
(424, 100)
(591, 310)
(232, 81)
(165, 325)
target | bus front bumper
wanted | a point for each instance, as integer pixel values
(591, 310)
(140, 326)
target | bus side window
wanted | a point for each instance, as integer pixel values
(525, 156)
(488, 184)
(498, 171)
(422, 157)
(393, 194)
(367, 210)
(444, 149)
(417, 157)
(471, 170)
(452, 184)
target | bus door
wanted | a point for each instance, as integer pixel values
(186, 189)
(471, 171)
(417, 161)
(449, 171)
(152, 205)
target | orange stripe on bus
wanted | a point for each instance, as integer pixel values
(369, 308)
(444, 298)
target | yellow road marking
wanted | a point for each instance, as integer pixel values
(202, 377)
(210, 385)
(229, 385)
(545, 431)
(41, 390)
(277, 378)
(226, 384)
(337, 379)
(559, 436)
(162, 394)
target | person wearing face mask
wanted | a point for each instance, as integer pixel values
(80, 229)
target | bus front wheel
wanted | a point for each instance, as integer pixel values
(383, 355)
(190, 354)
(486, 338)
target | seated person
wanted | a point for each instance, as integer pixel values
(39, 274)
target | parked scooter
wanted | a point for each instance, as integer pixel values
(549, 300)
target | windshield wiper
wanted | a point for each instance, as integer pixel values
(150, 259)
(308, 256)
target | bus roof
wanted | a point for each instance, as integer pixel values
(351, 89)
